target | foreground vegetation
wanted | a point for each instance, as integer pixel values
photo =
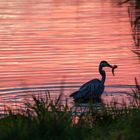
(48, 119)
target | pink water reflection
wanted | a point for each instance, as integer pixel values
(44, 40)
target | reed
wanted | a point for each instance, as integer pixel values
(43, 118)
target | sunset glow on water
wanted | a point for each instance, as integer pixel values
(43, 42)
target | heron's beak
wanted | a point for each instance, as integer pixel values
(110, 66)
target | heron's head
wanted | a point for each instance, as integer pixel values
(106, 64)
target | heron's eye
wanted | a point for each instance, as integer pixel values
(104, 64)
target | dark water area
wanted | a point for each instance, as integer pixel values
(49, 44)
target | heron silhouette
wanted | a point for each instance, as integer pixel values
(93, 89)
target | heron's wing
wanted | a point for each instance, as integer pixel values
(91, 89)
(92, 82)
(81, 93)
(71, 95)
(94, 88)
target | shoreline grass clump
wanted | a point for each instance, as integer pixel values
(45, 118)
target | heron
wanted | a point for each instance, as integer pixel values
(93, 89)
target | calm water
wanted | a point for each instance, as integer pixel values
(44, 43)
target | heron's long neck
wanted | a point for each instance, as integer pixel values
(103, 74)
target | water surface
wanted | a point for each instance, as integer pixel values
(47, 42)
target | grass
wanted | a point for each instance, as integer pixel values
(45, 118)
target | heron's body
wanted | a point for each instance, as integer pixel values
(93, 89)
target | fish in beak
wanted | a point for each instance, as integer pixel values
(113, 69)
